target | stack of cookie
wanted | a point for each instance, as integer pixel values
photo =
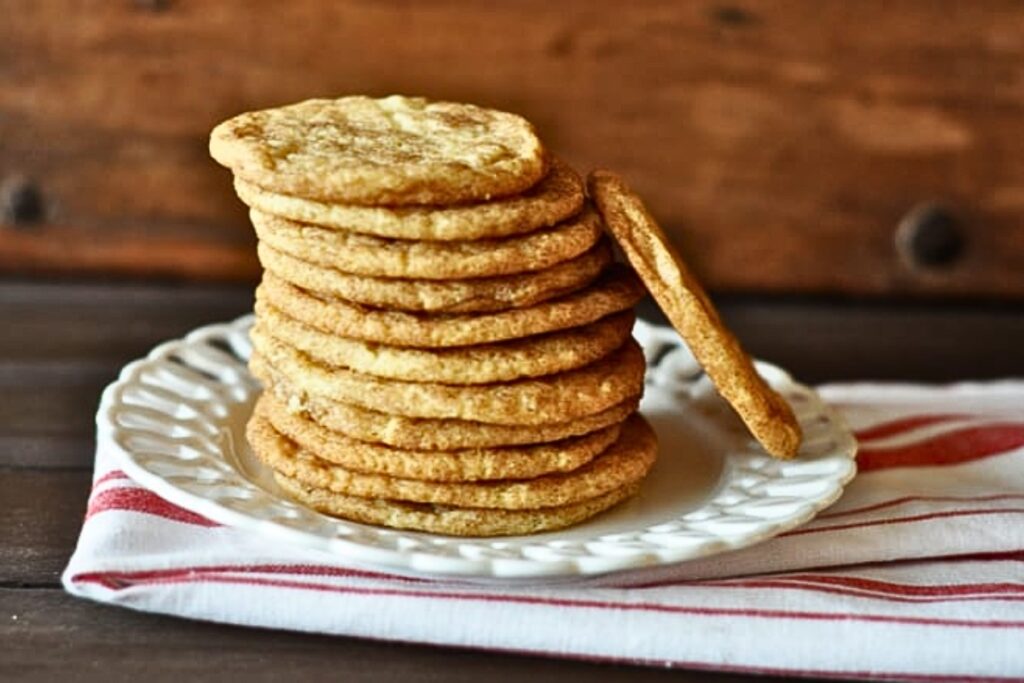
(443, 338)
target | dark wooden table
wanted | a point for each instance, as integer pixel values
(61, 343)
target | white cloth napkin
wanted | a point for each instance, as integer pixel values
(917, 573)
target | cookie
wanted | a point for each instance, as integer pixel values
(433, 434)
(452, 521)
(767, 415)
(471, 464)
(625, 462)
(554, 398)
(358, 254)
(444, 296)
(389, 151)
(555, 198)
(481, 364)
(616, 290)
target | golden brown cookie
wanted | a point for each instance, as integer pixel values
(555, 198)
(625, 462)
(554, 398)
(501, 362)
(616, 290)
(389, 151)
(691, 312)
(472, 464)
(358, 254)
(429, 434)
(443, 296)
(452, 521)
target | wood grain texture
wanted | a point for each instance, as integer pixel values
(105, 324)
(43, 511)
(66, 342)
(780, 141)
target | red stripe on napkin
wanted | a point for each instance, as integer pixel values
(886, 429)
(132, 499)
(922, 499)
(789, 583)
(914, 590)
(572, 603)
(128, 577)
(905, 520)
(1010, 556)
(951, 448)
(112, 475)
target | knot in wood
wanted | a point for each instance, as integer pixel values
(21, 202)
(930, 236)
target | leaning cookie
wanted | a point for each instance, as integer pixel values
(766, 413)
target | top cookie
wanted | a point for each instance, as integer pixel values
(680, 296)
(390, 151)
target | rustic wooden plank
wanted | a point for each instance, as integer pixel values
(43, 512)
(780, 141)
(845, 341)
(41, 450)
(69, 342)
(47, 634)
(48, 404)
(103, 324)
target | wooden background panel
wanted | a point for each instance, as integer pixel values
(781, 142)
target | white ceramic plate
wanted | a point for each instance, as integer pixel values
(177, 420)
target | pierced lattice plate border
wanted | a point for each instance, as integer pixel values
(176, 420)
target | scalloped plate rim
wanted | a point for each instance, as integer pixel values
(419, 563)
